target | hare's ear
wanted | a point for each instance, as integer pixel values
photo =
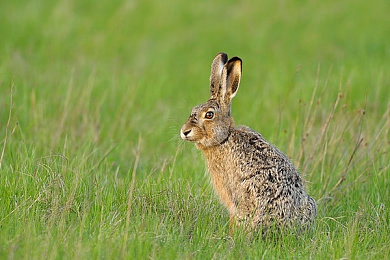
(216, 81)
(234, 69)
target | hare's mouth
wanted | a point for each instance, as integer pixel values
(190, 134)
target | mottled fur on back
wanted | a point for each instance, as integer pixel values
(257, 183)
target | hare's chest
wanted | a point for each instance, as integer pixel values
(222, 168)
(224, 178)
(223, 186)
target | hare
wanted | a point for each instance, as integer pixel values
(255, 181)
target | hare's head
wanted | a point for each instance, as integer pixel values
(210, 123)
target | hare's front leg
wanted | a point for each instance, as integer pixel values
(231, 224)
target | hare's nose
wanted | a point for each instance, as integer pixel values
(185, 133)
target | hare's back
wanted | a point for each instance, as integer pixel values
(253, 142)
(268, 178)
(263, 161)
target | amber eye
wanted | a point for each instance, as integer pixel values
(209, 115)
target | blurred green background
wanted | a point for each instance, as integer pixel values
(154, 57)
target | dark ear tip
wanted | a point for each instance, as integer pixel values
(235, 59)
(224, 57)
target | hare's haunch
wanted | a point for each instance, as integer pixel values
(257, 183)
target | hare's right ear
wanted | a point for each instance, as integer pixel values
(234, 70)
(216, 81)
(230, 81)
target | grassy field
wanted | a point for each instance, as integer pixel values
(93, 95)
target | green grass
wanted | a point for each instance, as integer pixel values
(93, 94)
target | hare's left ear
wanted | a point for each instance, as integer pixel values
(233, 77)
(217, 75)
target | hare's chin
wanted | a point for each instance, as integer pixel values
(188, 138)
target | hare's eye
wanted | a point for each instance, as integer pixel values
(209, 115)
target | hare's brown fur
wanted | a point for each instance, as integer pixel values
(257, 183)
